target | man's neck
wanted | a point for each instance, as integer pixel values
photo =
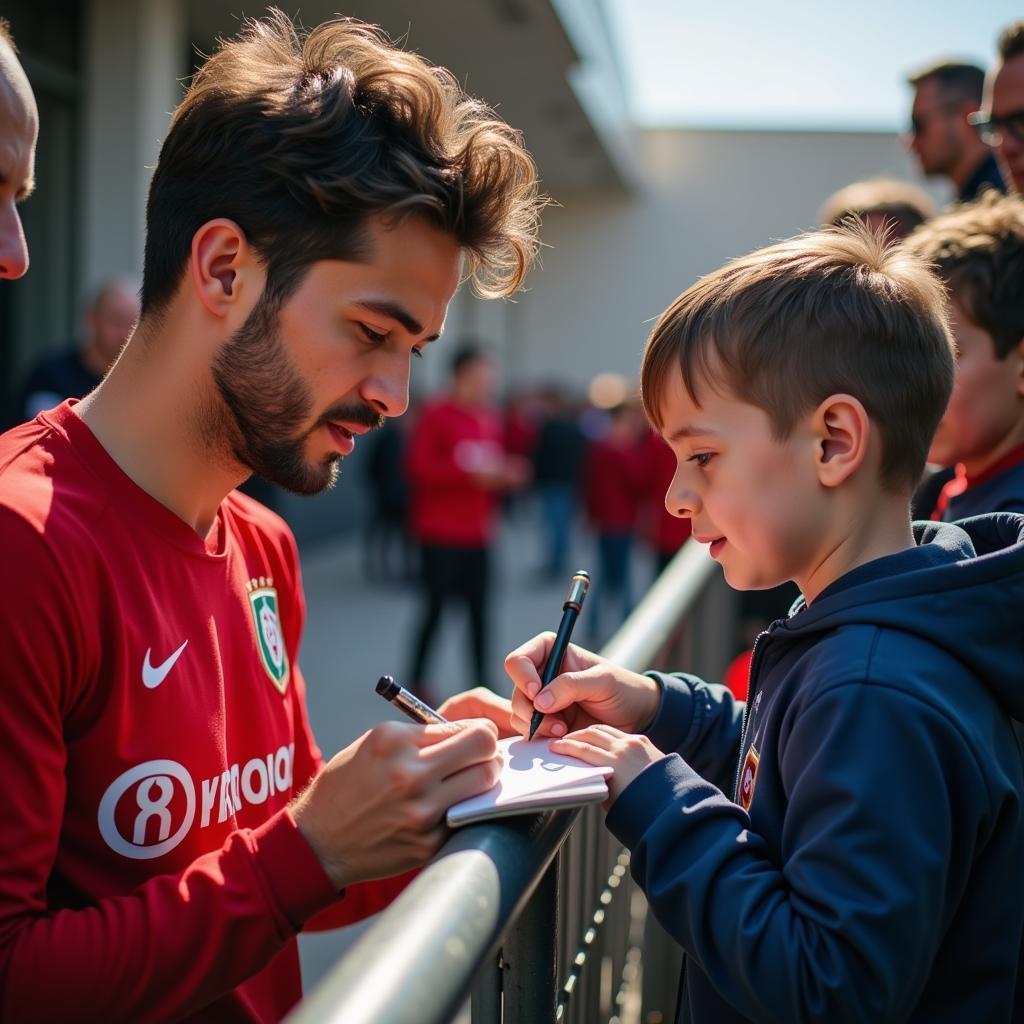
(147, 415)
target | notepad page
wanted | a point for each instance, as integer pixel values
(531, 768)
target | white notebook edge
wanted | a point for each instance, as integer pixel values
(474, 809)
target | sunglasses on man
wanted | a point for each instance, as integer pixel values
(990, 129)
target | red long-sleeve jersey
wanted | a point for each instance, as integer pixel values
(153, 730)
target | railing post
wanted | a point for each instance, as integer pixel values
(485, 999)
(530, 956)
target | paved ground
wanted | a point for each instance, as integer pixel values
(357, 631)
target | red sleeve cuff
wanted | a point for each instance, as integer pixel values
(297, 881)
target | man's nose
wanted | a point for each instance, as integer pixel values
(387, 388)
(13, 250)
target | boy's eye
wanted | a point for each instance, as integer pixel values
(372, 335)
(701, 458)
(417, 353)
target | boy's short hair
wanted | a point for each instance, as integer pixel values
(835, 311)
(978, 249)
(299, 137)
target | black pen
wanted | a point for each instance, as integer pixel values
(408, 703)
(570, 612)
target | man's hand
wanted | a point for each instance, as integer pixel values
(588, 691)
(378, 806)
(603, 745)
(480, 702)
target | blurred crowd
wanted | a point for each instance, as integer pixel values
(570, 465)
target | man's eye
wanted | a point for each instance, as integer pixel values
(372, 335)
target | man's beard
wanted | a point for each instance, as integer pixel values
(266, 403)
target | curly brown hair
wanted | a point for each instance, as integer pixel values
(300, 136)
(978, 249)
(827, 312)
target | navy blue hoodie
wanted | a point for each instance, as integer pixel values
(878, 874)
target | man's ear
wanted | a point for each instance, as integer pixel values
(222, 264)
(842, 430)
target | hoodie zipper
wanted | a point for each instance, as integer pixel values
(758, 647)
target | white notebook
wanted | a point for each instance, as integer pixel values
(533, 779)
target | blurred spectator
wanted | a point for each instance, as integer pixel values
(614, 490)
(458, 468)
(520, 425)
(387, 551)
(664, 532)
(108, 319)
(941, 135)
(884, 204)
(558, 458)
(978, 249)
(1000, 122)
(19, 127)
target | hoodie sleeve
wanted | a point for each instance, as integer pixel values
(702, 722)
(876, 848)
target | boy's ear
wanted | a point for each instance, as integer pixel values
(842, 431)
(1018, 354)
(222, 265)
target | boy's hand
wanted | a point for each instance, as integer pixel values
(589, 690)
(480, 702)
(603, 745)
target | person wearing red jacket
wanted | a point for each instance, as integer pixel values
(169, 824)
(458, 468)
(614, 480)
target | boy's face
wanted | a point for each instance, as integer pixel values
(755, 500)
(985, 415)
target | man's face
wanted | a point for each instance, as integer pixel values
(985, 415)
(1004, 97)
(298, 385)
(934, 138)
(19, 126)
(755, 500)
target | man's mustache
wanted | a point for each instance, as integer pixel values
(362, 415)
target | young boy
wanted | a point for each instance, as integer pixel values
(978, 249)
(867, 867)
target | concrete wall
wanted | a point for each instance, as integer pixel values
(615, 263)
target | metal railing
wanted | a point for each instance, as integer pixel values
(533, 918)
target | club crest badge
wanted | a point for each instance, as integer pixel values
(748, 777)
(269, 636)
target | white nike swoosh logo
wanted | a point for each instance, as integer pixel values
(153, 676)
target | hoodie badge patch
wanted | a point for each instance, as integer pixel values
(748, 777)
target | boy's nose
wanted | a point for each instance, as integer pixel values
(681, 501)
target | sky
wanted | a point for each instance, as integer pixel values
(788, 64)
